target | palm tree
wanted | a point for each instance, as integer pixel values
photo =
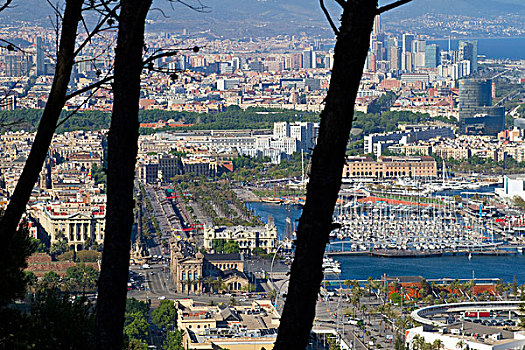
(461, 345)
(272, 295)
(437, 345)
(200, 284)
(418, 342)
(208, 283)
(219, 284)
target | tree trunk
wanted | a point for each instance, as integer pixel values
(328, 160)
(46, 128)
(122, 154)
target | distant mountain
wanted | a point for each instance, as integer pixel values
(478, 8)
(243, 18)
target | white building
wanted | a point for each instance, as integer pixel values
(264, 237)
(513, 185)
(467, 335)
(77, 226)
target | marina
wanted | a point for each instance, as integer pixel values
(406, 232)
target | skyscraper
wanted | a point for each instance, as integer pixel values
(40, 58)
(377, 26)
(395, 57)
(406, 50)
(307, 58)
(407, 42)
(16, 65)
(432, 56)
(468, 51)
(476, 113)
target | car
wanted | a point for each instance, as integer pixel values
(162, 297)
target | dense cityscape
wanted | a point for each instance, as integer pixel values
(429, 225)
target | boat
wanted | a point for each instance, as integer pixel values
(331, 266)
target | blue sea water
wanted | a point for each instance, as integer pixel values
(496, 48)
(362, 267)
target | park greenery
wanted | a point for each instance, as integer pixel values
(141, 323)
(232, 118)
(218, 201)
(249, 169)
(98, 174)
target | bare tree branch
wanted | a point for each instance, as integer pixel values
(392, 6)
(56, 10)
(170, 53)
(200, 8)
(10, 46)
(6, 5)
(89, 87)
(112, 12)
(94, 88)
(95, 30)
(327, 14)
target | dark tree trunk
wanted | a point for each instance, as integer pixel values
(47, 125)
(328, 160)
(122, 154)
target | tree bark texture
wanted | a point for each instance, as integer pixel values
(328, 160)
(122, 153)
(47, 125)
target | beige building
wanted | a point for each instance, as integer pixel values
(412, 150)
(390, 167)
(449, 152)
(264, 237)
(234, 328)
(200, 273)
(77, 227)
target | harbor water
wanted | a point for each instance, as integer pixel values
(363, 266)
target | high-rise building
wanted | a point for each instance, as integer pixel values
(395, 57)
(377, 26)
(419, 45)
(307, 57)
(16, 65)
(40, 58)
(407, 42)
(406, 51)
(468, 51)
(476, 113)
(407, 61)
(432, 56)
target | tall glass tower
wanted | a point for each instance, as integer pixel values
(432, 56)
(476, 114)
(40, 59)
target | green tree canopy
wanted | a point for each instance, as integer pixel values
(136, 326)
(81, 278)
(165, 314)
(174, 340)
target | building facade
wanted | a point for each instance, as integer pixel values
(248, 238)
(476, 113)
(199, 273)
(390, 167)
